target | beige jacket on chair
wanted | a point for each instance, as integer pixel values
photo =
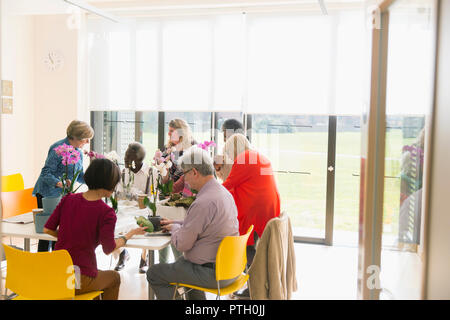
(272, 273)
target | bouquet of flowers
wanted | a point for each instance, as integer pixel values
(70, 156)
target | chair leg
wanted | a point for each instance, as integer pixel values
(248, 283)
(175, 292)
(218, 291)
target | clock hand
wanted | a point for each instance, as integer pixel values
(49, 56)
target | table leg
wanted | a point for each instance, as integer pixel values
(26, 244)
(151, 261)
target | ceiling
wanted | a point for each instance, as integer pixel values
(142, 7)
(165, 7)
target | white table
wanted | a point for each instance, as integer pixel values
(125, 222)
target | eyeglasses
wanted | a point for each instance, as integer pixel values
(185, 172)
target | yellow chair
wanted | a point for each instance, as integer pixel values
(231, 261)
(13, 182)
(42, 275)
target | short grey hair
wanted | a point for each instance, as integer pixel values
(197, 158)
(138, 149)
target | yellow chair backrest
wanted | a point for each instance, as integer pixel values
(40, 276)
(231, 257)
(17, 202)
(13, 182)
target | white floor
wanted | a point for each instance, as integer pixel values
(323, 272)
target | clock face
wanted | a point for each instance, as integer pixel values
(53, 60)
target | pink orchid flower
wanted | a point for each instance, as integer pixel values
(206, 144)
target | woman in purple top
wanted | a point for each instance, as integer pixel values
(82, 221)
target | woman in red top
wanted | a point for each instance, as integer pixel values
(253, 186)
(82, 221)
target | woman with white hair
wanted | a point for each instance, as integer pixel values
(253, 186)
(223, 163)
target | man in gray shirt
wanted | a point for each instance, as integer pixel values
(210, 218)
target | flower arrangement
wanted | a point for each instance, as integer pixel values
(163, 164)
(70, 156)
(151, 202)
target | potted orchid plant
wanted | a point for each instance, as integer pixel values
(150, 202)
(70, 156)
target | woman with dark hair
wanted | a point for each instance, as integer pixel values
(82, 221)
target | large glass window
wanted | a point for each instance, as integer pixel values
(347, 181)
(150, 133)
(113, 131)
(200, 123)
(297, 148)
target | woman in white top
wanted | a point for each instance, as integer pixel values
(135, 180)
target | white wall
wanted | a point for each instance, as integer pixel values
(18, 129)
(438, 231)
(44, 102)
(56, 91)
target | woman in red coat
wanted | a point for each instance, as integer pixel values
(253, 186)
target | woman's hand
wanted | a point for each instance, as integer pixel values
(137, 231)
(120, 242)
(59, 184)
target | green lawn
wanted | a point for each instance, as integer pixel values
(304, 195)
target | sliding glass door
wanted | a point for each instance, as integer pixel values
(395, 140)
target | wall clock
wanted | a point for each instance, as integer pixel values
(53, 60)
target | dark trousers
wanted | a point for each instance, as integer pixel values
(251, 250)
(161, 275)
(43, 245)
